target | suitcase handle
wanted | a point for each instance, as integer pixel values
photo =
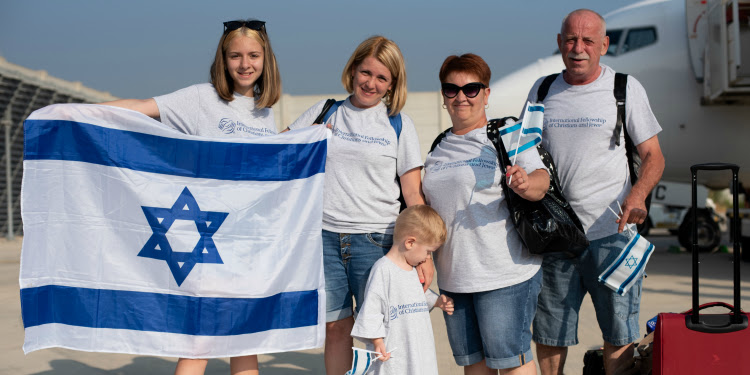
(714, 167)
(736, 318)
(713, 304)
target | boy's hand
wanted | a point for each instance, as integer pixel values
(445, 303)
(380, 348)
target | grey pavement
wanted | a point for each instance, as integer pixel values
(666, 289)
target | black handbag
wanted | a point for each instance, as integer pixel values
(546, 226)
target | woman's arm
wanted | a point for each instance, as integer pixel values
(530, 186)
(411, 187)
(146, 106)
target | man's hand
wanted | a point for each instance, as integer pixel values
(633, 212)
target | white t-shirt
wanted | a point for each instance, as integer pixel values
(579, 121)
(364, 156)
(462, 183)
(199, 110)
(395, 308)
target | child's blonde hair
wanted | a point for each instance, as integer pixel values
(422, 222)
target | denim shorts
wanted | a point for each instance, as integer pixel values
(347, 261)
(566, 282)
(494, 325)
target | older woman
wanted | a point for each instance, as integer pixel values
(367, 158)
(483, 265)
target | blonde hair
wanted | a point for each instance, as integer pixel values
(422, 222)
(388, 54)
(267, 87)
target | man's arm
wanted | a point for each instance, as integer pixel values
(652, 166)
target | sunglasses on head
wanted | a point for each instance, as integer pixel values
(252, 25)
(471, 90)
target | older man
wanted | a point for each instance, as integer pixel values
(581, 132)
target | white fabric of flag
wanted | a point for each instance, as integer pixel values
(525, 134)
(629, 265)
(143, 240)
(361, 361)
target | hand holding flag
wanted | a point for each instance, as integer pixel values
(527, 133)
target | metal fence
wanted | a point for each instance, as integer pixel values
(23, 91)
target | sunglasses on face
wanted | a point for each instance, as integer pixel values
(471, 90)
(252, 25)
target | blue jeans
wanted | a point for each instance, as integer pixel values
(494, 325)
(566, 282)
(347, 261)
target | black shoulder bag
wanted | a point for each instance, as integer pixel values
(546, 226)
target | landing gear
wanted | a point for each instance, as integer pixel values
(709, 234)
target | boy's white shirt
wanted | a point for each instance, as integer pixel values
(396, 308)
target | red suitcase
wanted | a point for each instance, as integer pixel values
(695, 343)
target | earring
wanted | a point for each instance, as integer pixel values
(445, 106)
(486, 106)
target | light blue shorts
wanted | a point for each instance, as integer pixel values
(347, 261)
(494, 325)
(566, 282)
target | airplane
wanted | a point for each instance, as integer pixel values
(693, 59)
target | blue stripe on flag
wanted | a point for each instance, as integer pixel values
(525, 147)
(536, 108)
(622, 257)
(157, 312)
(637, 269)
(74, 141)
(509, 129)
(532, 130)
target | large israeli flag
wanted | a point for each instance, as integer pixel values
(525, 134)
(140, 239)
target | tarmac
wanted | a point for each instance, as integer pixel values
(666, 289)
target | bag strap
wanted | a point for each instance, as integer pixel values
(326, 112)
(543, 90)
(620, 92)
(438, 139)
(330, 109)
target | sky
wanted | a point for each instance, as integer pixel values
(144, 48)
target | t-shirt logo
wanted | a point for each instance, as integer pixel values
(227, 126)
(436, 167)
(394, 313)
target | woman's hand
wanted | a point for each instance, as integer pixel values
(531, 186)
(426, 272)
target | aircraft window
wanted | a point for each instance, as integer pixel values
(614, 41)
(639, 38)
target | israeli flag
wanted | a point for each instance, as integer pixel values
(143, 240)
(525, 134)
(629, 265)
(362, 361)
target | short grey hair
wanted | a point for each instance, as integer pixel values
(584, 10)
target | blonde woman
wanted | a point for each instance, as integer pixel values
(367, 157)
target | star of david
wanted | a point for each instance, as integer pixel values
(631, 262)
(161, 219)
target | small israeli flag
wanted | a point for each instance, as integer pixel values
(525, 134)
(629, 265)
(362, 361)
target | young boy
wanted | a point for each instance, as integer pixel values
(395, 311)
